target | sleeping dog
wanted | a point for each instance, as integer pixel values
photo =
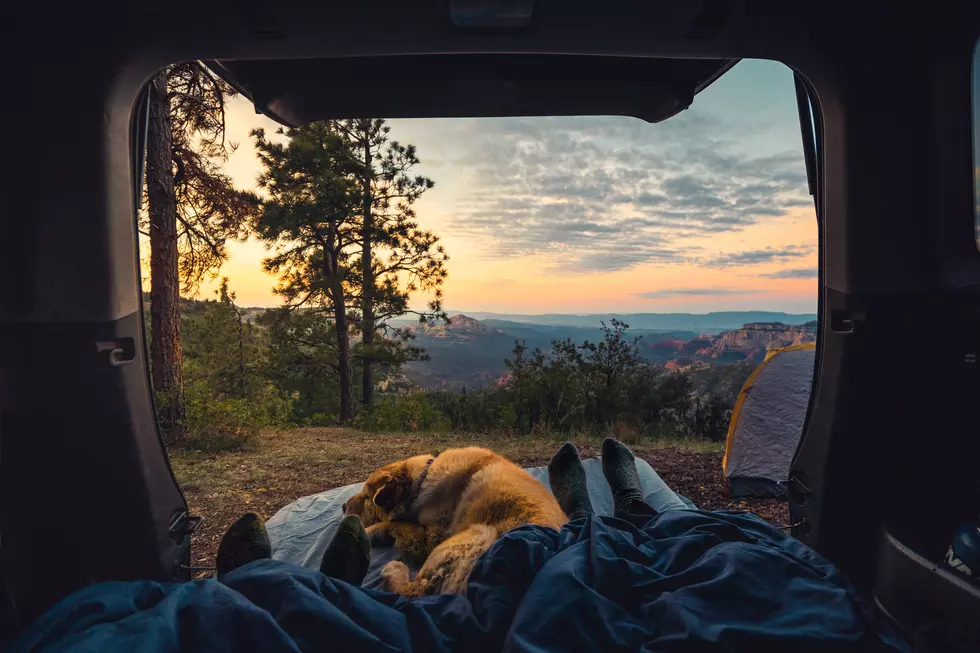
(446, 510)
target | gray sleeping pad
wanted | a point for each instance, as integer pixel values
(301, 531)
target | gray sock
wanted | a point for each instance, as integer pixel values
(349, 553)
(244, 542)
(619, 468)
(568, 483)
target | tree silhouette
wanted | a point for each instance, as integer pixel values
(310, 220)
(397, 258)
(192, 211)
(340, 218)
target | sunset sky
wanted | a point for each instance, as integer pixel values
(707, 211)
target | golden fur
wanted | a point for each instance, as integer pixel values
(468, 498)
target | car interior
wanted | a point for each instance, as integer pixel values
(886, 469)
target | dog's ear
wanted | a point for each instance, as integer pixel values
(393, 491)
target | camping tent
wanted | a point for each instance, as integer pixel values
(767, 422)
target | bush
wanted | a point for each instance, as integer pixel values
(271, 406)
(320, 419)
(281, 370)
(484, 411)
(708, 419)
(598, 389)
(212, 424)
(624, 433)
(401, 413)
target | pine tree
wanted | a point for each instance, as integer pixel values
(220, 346)
(311, 221)
(347, 244)
(397, 258)
(192, 211)
(165, 346)
(302, 363)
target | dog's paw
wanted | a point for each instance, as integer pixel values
(394, 575)
(411, 558)
(380, 534)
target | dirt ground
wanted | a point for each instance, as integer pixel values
(285, 465)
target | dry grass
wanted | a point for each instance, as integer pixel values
(285, 465)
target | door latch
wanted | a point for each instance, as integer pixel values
(120, 351)
(797, 491)
(845, 323)
(183, 525)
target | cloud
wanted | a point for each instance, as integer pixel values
(646, 199)
(794, 273)
(695, 292)
(597, 194)
(757, 256)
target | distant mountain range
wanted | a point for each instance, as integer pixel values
(466, 352)
(697, 322)
(469, 351)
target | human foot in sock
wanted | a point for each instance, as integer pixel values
(246, 541)
(349, 553)
(567, 478)
(619, 468)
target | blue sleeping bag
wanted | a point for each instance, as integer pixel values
(682, 581)
(301, 531)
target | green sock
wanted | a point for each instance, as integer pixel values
(619, 468)
(244, 542)
(349, 553)
(567, 478)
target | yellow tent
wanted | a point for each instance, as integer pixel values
(767, 422)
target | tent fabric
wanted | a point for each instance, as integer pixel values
(767, 422)
(682, 581)
(300, 531)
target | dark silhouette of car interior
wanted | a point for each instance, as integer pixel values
(887, 467)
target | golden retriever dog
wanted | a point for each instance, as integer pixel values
(447, 510)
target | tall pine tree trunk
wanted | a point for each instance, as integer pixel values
(367, 271)
(343, 340)
(165, 343)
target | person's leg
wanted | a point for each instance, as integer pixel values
(619, 468)
(244, 542)
(566, 475)
(349, 553)
(347, 556)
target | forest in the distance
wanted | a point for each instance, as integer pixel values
(249, 369)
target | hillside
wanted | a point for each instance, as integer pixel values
(470, 353)
(467, 352)
(462, 353)
(697, 322)
(545, 333)
(459, 327)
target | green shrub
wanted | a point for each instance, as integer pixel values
(483, 411)
(271, 406)
(625, 433)
(320, 419)
(402, 413)
(212, 424)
